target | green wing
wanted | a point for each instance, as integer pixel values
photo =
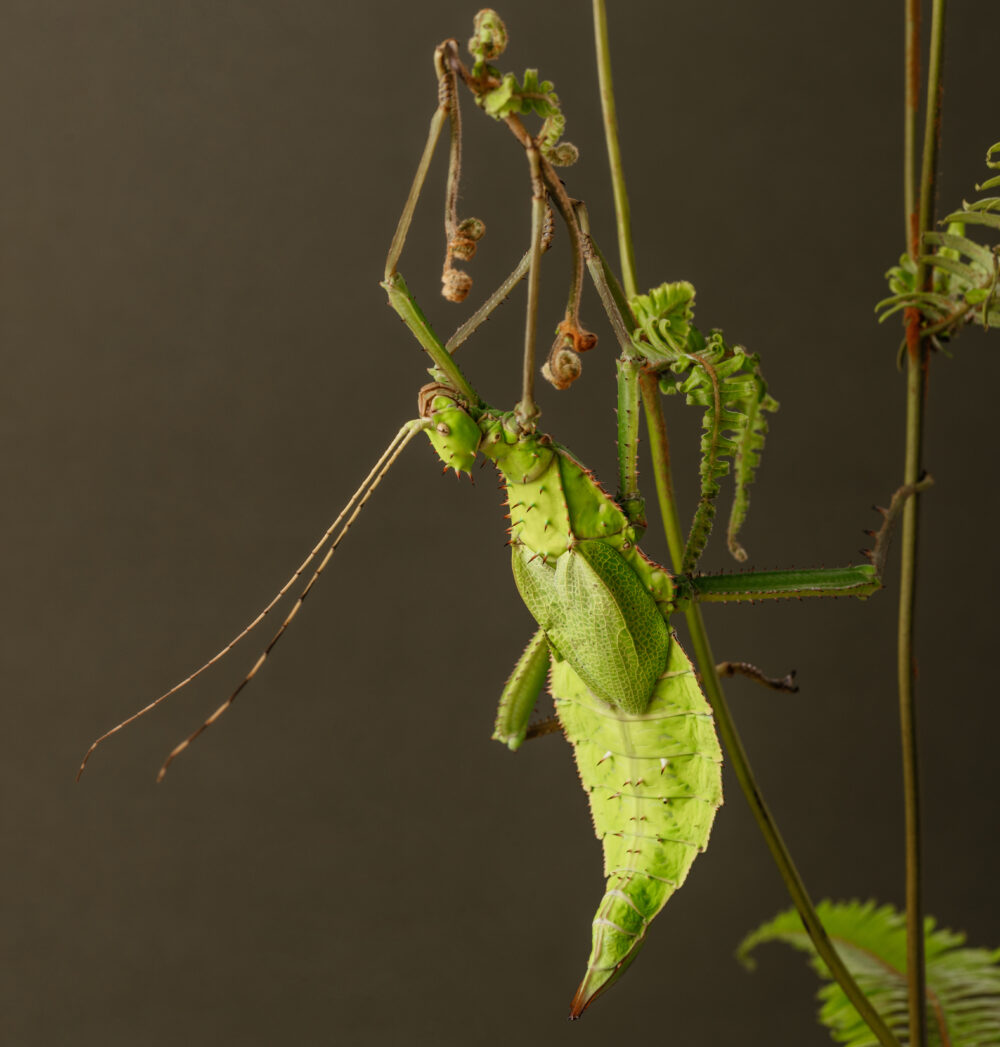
(599, 617)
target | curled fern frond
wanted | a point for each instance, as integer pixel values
(966, 273)
(536, 96)
(664, 317)
(489, 38)
(723, 379)
(963, 985)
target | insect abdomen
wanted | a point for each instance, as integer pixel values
(654, 784)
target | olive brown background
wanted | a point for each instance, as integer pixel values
(198, 369)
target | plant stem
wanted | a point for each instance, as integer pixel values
(625, 249)
(730, 737)
(906, 665)
(911, 107)
(920, 216)
(659, 450)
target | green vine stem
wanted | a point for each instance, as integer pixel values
(625, 248)
(919, 218)
(911, 108)
(730, 736)
(659, 450)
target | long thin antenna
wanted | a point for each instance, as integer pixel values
(368, 485)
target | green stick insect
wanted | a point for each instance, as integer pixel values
(627, 697)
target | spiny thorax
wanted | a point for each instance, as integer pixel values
(555, 501)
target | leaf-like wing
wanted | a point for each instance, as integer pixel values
(612, 632)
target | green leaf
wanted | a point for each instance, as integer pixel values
(981, 256)
(975, 218)
(498, 102)
(988, 203)
(533, 96)
(664, 317)
(963, 985)
(966, 273)
(726, 381)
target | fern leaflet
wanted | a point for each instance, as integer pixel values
(963, 985)
(966, 283)
(723, 379)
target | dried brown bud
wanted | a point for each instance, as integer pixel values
(562, 368)
(581, 339)
(455, 284)
(471, 228)
(462, 248)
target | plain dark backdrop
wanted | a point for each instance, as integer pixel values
(198, 368)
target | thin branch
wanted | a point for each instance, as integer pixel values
(625, 248)
(918, 356)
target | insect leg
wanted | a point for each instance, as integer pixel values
(499, 296)
(785, 683)
(446, 96)
(520, 693)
